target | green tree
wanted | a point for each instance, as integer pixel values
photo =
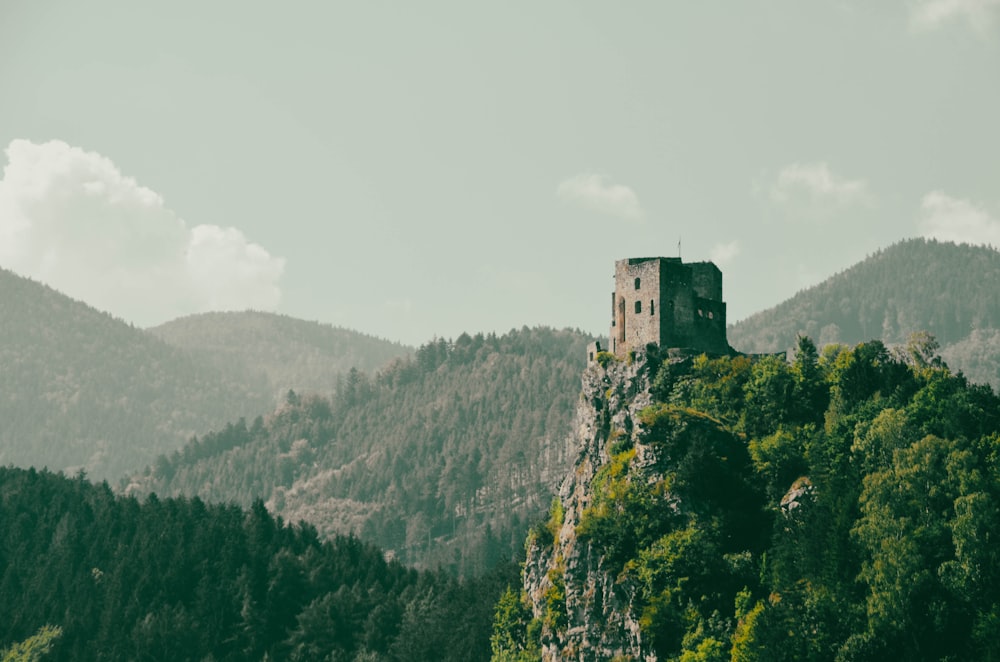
(33, 648)
(811, 392)
(918, 584)
(768, 396)
(510, 641)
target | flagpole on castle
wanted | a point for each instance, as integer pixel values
(678, 246)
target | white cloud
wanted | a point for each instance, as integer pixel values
(722, 254)
(70, 218)
(399, 305)
(596, 193)
(951, 219)
(815, 183)
(932, 14)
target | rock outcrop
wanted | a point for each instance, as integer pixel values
(584, 606)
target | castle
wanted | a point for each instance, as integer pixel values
(662, 301)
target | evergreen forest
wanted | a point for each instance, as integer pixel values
(444, 458)
(88, 575)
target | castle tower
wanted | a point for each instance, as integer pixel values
(663, 301)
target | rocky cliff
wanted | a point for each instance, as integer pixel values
(745, 508)
(584, 606)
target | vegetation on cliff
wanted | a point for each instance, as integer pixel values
(839, 507)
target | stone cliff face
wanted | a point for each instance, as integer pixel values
(584, 606)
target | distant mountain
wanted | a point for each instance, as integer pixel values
(445, 458)
(294, 354)
(81, 389)
(949, 290)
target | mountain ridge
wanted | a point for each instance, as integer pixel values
(294, 354)
(86, 390)
(950, 290)
(81, 389)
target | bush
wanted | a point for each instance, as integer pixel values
(604, 358)
(556, 517)
(555, 617)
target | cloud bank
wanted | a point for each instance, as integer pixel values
(596, 193)
(724, 253)
(71, 219)
(816, 183)
(932, 14)
(952, 219)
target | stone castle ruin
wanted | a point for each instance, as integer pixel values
(663, 301)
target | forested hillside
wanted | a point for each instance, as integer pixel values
(79, 388)
(843, 507)
(105, 577)
(951, 291)
(293, 354)
(444, 459)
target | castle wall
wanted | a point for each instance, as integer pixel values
(709, 329)
(680, 309)
(637, 317)
(664, 301)
(706, 280)
(593, 349)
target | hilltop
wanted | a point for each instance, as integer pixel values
(293, 354)
(84, 390)
(949, 290)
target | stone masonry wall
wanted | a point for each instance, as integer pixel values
(641, 305)
(706, 280)
(674, 305)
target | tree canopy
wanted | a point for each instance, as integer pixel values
(89, 575)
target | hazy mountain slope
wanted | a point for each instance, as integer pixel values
(79, 388)
(916, 285)
(294, 354)
(445, 458)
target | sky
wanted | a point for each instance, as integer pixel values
(419, 170)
